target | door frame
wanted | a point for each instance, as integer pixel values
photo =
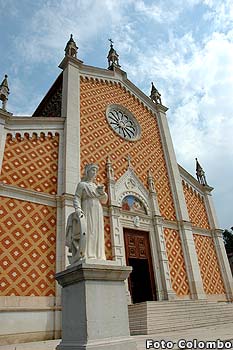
(149, 257)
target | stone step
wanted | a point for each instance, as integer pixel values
(172, 318)
(152, 317)
(172, 313)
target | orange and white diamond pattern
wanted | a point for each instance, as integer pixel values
(196, 207)
(176, 262)
(209, 267)
(98, 140)
(27, 248)
(31, 163)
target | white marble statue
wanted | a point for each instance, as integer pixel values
(85, 227)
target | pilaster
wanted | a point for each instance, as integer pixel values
(114, 213)
(3, 119)
(185, 229)
(165, 291)
(191, 261)
(219, 244)
(164, 287)
(71, 113)
(223, 263)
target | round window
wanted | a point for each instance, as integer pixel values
(123, 122)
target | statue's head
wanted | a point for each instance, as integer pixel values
(90, 171)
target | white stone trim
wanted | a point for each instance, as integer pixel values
(23, 194)
(201, 232)
(2, 142)
(185, 229)
(223, 263)
(71, 113)
(191, 181)
(210, 209)
(170, 224)
(34, 125)
(129, 184)
(219, 245)
(117, 77)
(60, 170)
(17, 302)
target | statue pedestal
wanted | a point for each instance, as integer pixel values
(94, 307)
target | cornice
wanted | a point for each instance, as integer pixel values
(4, 116)
(119, 76)
(187, 177)
(38, 124)
(19, 193)
(70, 60)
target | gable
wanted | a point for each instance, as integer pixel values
(98, 140)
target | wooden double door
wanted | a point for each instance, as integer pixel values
(138, 255)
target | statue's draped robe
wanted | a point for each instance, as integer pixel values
(87, 197)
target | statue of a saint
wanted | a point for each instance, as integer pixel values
(85, 227)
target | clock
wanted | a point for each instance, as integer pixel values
(123, 122)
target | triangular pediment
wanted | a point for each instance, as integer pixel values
(130, 184)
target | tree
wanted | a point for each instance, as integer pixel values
(228, 240)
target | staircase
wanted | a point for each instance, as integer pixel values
(153, 317)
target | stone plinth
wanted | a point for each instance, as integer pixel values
(94, 307)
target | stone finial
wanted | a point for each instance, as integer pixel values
(150, 181)
(155, 95)
(110, 171)
(200, 174)
(128, 158)
(113, 57)
(71, 48)
(4, 92)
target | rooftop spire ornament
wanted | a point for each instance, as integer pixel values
(4, 92)
(113, 57)
(200, 174)
(71, 48)
(155, 95)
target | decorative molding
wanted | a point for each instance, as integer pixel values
(190, 181)
(115, 114)
(23, 194)
(137, 189)
(34, 125)
(114, 78)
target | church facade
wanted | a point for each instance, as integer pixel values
(158, 219)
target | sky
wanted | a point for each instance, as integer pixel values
(184, 46)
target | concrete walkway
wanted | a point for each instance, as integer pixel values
(224, 332)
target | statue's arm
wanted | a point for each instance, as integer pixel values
(102, 195)
(104, 198)
(78, 198)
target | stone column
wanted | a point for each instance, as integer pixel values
(69, 163)
(164, 288)
(114, 214)
(219, 244)
(71, 113)
(185, 229)
(94, 307)
(3, 120)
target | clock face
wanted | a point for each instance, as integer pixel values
(123, 122)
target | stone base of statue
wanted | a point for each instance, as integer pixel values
(94, 307)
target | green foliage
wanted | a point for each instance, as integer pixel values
(228, 240)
